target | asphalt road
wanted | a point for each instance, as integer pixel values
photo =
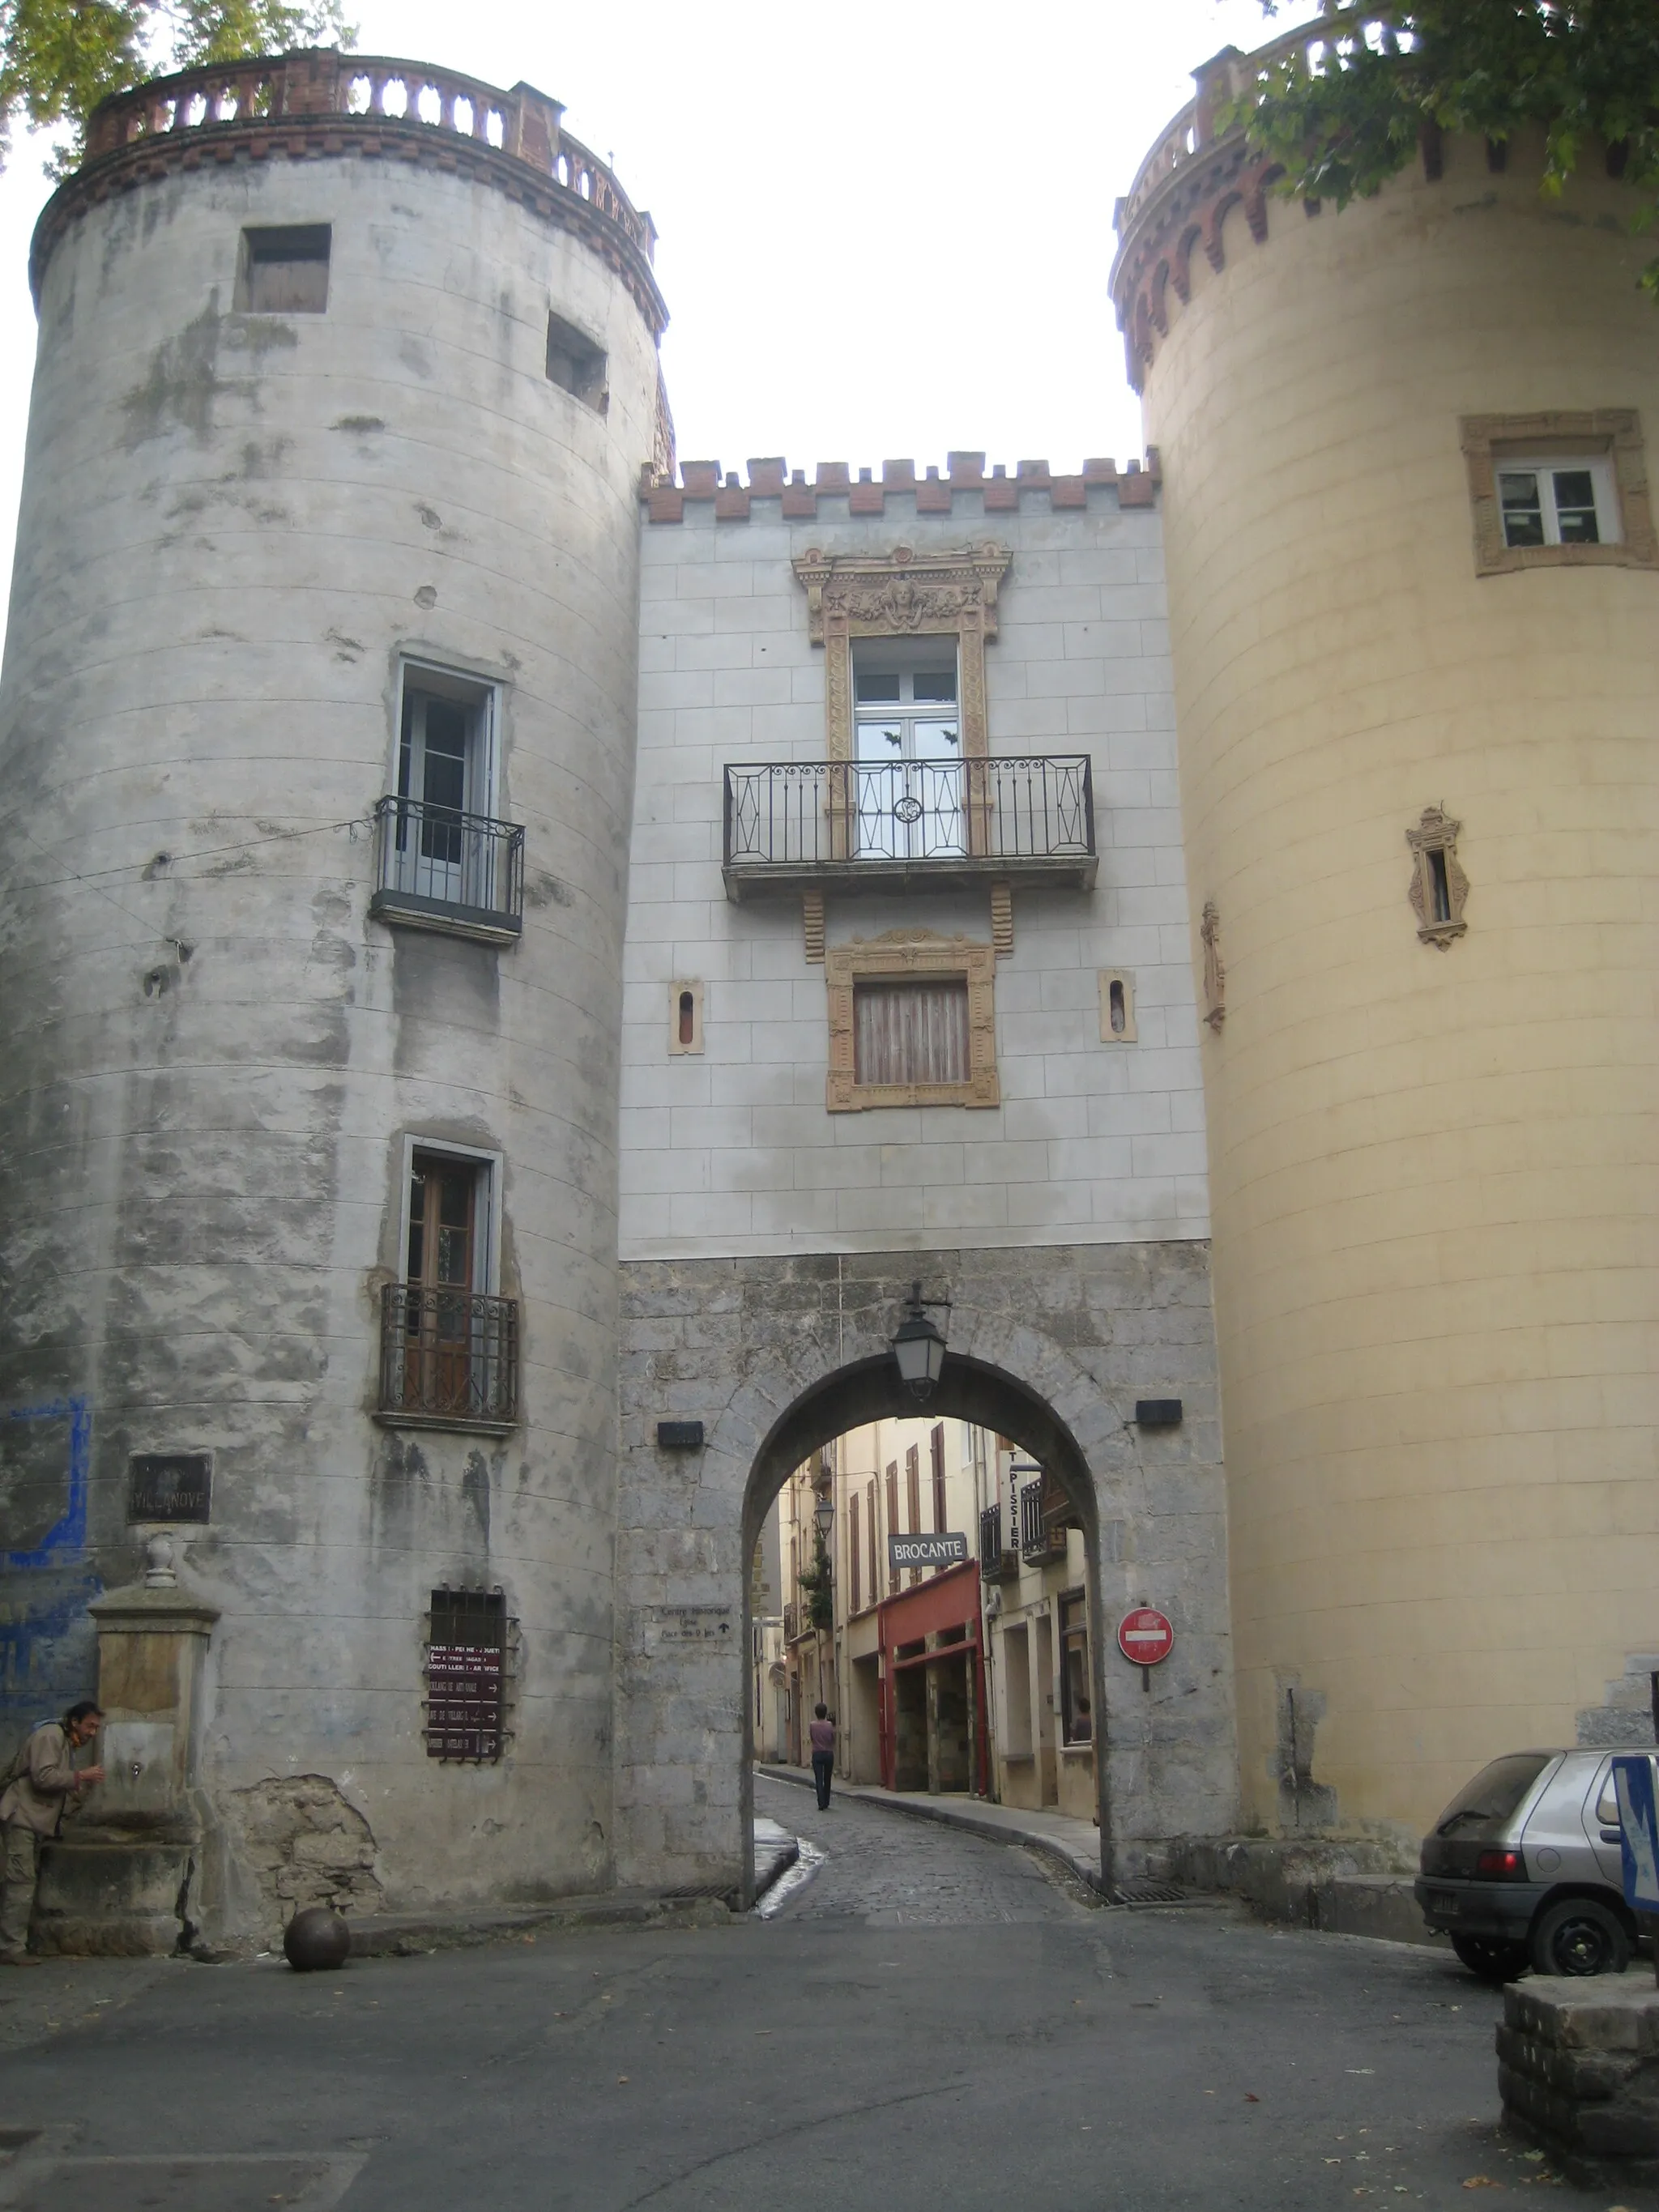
(928, 2020)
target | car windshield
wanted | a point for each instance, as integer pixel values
(1494, 1794)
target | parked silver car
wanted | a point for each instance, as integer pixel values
(1524, 1869)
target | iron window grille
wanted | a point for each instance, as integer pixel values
(448, 1355)
(440, 867)
(471, 1651)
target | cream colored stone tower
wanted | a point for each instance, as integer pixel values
(1418, 764)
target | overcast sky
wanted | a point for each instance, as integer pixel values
(885, 225)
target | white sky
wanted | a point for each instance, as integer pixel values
(885, 225)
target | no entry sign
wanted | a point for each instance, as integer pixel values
(1145, 1636)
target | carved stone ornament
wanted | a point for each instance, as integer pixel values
(1215, 974)
(1438, 894)
(925, 957)
(902, 593)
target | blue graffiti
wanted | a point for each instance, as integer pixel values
(67, 1539)
(48, 1649)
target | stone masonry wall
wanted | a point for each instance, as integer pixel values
(735, 1344)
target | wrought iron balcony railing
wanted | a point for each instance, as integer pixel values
(996, 1563)
(441, 869)
(1040, 1538)
(872, 824)
(448, 1358)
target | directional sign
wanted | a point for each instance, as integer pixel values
(1145, 1636)
(1639, 1830)
(941, 1551)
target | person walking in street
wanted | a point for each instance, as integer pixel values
(822, 1732)
(34, 1792)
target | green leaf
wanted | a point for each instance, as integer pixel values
(1585, 72)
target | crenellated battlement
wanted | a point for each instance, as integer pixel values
(703, 482)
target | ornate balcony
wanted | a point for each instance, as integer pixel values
(908, 825)
(448, 1359)
(441, 869)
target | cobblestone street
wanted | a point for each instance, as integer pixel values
(888, 1870)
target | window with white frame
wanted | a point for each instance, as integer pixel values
(908, 800)
(1561, 499)
(1562, 487)
(445, 839)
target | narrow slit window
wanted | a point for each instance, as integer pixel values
(1117, 1007)
(466, 1675)
(1439, 885)
(685, 1016)
(576, 364)
(284, 270)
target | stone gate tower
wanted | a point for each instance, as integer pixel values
(1414, 596)
(321, 674)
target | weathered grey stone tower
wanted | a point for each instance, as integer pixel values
(321, 675)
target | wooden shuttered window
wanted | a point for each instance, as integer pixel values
(906, 1032)
(872, 1519)
(894, 1525)
(913, 1485)
(852, 1551)
(936, 1446)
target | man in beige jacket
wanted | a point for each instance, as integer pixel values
(39, 1784)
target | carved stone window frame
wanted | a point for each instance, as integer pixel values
(921, 955)
(1436, 833)
(1612, 432)
(902, 593)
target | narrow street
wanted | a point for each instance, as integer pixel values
(926, 2020)
(888, 1871)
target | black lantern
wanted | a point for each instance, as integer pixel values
(823, 1514)
(918, 1347)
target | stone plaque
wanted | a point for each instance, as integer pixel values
(169, 1485)
(688, 1624)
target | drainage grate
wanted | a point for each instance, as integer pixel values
(1148, 1893)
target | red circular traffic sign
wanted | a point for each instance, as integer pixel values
(1145, 1636)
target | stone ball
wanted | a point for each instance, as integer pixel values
(316, 1938)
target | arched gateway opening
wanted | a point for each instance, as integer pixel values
(967, 1390)
(1097, 1362)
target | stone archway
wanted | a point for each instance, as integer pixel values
(967, 1390)
(1053, 1347)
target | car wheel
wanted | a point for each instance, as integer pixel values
(1493, 1959)
(1579, 1936)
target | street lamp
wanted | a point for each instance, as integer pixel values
(918, 1347)
(823, 1515)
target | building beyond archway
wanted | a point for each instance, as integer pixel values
(1052, 1349)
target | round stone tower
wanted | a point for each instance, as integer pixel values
(1415, 601)
(318, 735)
